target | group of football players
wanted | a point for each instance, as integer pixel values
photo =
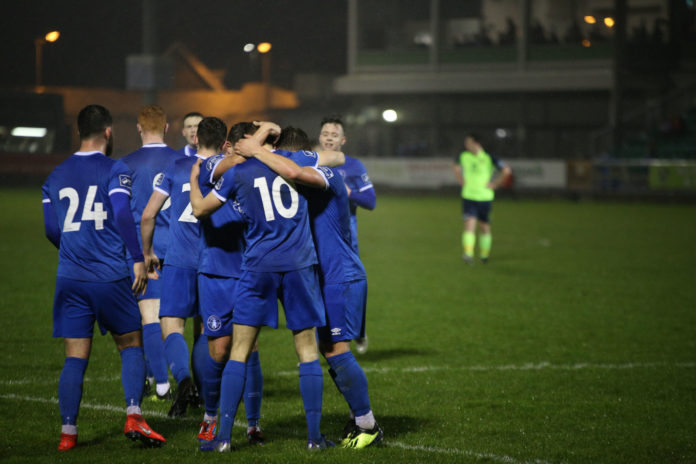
(218, 232)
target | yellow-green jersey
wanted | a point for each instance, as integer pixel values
(477, 171)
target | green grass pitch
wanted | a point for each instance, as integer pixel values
(576, 344)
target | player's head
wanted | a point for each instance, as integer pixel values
(472, 142)
(332, 135)
(152, 120)
(211, 133)
(239, 130)
(293, 139)
(96, 121)
(191, 121)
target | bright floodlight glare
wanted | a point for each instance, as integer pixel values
(248, 48)
(264, 47)
(52, 36)
(389, 115)
(590, 19)
(609, 21)
(586, 43)
(37, 132)
(501, 133)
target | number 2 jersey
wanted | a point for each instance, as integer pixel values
(184, 229)
(278, 237)
(91, 248)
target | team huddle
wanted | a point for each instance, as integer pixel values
(218, 232)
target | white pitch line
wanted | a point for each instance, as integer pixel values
(416, 369)
(395, 444)
(105, 407)
(454, 451)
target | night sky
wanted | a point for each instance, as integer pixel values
(96, 37)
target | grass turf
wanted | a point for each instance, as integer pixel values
(576, 343)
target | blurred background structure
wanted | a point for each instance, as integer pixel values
(578, 95)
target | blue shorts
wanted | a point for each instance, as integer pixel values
(217, 296)
(258, 294)
(480, 210)
(179, 292)
(345, 309)
(78, 304)
(153, 290)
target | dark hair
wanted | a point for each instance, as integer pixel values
(191, 114)
(211, 132)
(293, 139)
(474, 136)
(239, 130)
(332, 119)
(93, 119)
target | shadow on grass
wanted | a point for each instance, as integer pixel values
(386, 354)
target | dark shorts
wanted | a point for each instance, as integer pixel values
(258, 294)
(78, 304)
(480, 210)
(217, 297)
(179, 292)
(345, 310)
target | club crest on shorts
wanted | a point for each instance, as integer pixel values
(336, 331)
(214, 323)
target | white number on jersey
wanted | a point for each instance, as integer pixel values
(187, 214)
(92, 211)
(261, 184)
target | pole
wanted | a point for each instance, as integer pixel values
(38, 44)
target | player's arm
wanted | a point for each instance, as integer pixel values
(505, 172)
(366, 199)
(51, 227)
(283, 166)
(147, 229)
(458, 174)
(202, 206)
(123, 220)
(331, 158)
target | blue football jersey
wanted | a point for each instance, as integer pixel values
(355, 177)
(329, 217)
(278, 237)
(187, 151)
(91, 249)
(184, 229)
(222, 233)
(147, 165)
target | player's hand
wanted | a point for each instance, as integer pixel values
(247, 146)
(152, 264)
(195, 172)
(140, 280)
(348, 189)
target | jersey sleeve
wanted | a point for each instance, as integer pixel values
(120, 179)
(305, 158)
(362, 179)
(51, 227)
(225, 185)
(327, 174)
(497, 163)
(163, 184)
(208, 168)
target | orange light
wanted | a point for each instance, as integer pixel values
(609, 22)
(264, 47)
(590, 19)
(52, 36)
(586, 43)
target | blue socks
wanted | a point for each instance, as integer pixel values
(211, 385)
(311, 389)
(132, 374)
(177, 356)
(199, 360)
(70, 389)
(154, 351)
(231, 390)
(253, 389)
(351, 382)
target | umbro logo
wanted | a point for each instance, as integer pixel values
(336, 331)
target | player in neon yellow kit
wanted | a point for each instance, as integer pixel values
(474, 169)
